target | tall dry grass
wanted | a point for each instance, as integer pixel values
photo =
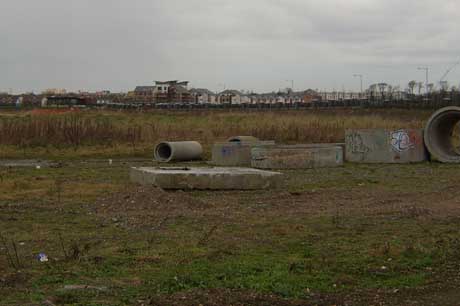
(136, 129)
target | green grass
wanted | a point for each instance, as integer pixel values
(288, 255)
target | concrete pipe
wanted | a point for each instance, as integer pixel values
(178, 151)
(243, 139)
(439, 135)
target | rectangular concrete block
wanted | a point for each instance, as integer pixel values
(385, 146)
(206, 178)
(298, 156)
(235, 154)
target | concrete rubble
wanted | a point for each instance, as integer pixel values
(440, 138)
(361, 146)
(306, 156)
(178, 151)
(235, 154)
(385, 146)
(206, 178)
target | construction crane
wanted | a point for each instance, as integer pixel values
(448, 71)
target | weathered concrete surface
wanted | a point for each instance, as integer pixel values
(297, 156)
(385, 146)
(206, 178)
(178, 151)
(235, 154)
(438, 135)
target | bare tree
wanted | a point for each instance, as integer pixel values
(382, 87)
(444, 85)
(411, 86)
(419, 87)
(372, 90)
(430, 87)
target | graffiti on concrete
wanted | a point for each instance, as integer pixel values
(356, 144)
(402, 140)
(226, 151)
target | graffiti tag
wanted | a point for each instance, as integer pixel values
(401, 141)
(357, 146)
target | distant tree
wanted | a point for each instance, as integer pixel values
(430, 87)
(411, 86)
(372, 90)
(419, 87)
(382, 87)
(444, 85)
(390, 91)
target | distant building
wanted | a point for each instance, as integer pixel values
(203, 96)
(54, 91)
(102, 93)
(286, 97)
(172, 92)
(63, 100)
(144, 91)
(231, 96)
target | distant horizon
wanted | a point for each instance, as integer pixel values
(125, 89)
(80, 91)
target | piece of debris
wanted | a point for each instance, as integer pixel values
(42, 257)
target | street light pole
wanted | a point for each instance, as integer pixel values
(426, 79)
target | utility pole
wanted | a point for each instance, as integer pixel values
(426, 79)
(360, 81)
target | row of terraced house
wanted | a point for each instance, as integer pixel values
(178, 92)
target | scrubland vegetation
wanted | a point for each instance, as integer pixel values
(110, 133)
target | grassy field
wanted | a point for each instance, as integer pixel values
(357, 235)
(106, 134)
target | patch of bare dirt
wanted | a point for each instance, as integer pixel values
(222, 297)
(13, 280)
(430, 296)
(144, 206)
(150, 207)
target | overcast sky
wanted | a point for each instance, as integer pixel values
(244, 44)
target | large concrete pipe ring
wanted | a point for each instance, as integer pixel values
(439, 135)
(243, 139)
(178, 151)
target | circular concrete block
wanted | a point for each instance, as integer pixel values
(438, 135)
(178, 151)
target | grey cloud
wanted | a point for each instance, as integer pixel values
(255, 44)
